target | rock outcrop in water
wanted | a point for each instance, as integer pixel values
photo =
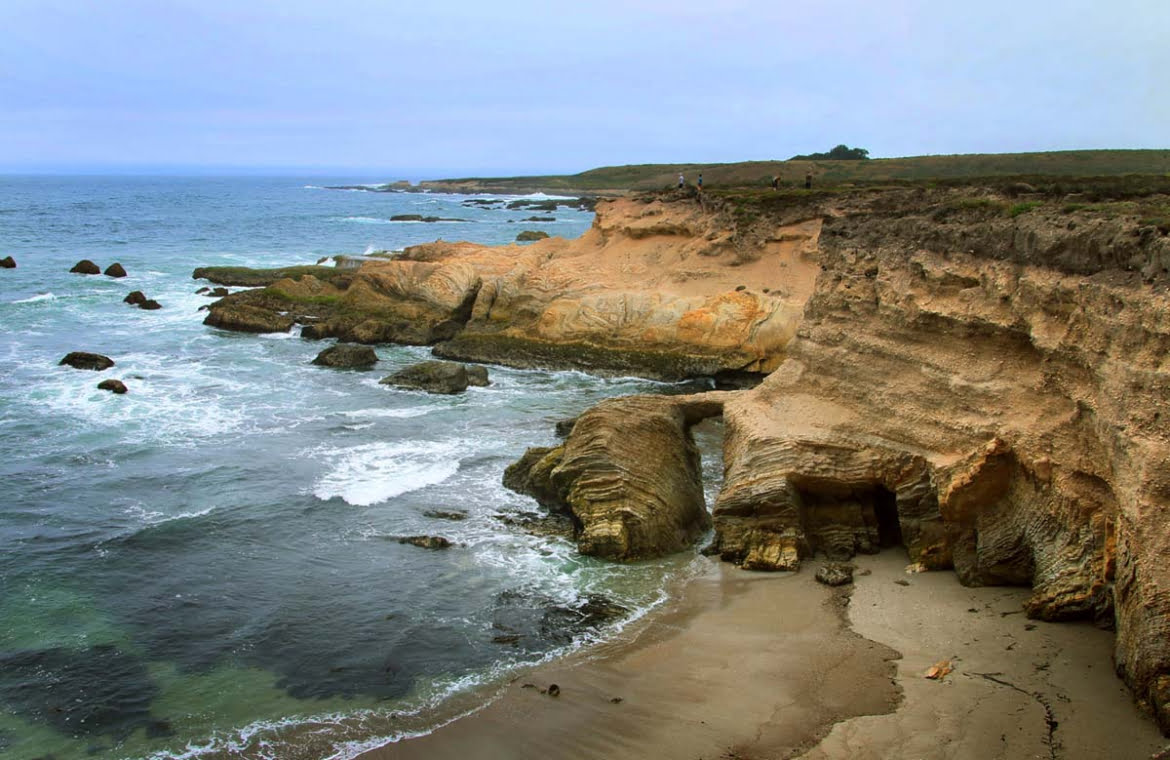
(115, 270)
(85, 266)
(7, 263)
(437, 377)
(347, 356)
(86, 360)
(651, 289)
(628, 476)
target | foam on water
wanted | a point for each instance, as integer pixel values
(37, 298)
(373, 473)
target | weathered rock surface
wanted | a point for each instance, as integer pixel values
(477, 375)
(85, 266)
(432, 377)
(149, 304)
(628, 476)
(251, 278)
(989, 391)
(114, 386)
(86, 360)
(115, 270)
(246, 318)
(134, 297)
(835, 573)
(347, 355)
(650, 290)
(7, 263)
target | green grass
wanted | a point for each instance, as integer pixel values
(1041, 167)
(1023, 208)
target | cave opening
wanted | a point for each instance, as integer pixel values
(885, 511)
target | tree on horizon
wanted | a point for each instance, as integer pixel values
(839, 153)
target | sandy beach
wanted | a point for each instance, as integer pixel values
(750, 665)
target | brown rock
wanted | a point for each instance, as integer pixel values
(149, 305)
(114, 386)
(85, 360)
(431, 376)
(528, 236)
(835, 573)
(426, 542)
(245, 318)
(134, 297)
(115, 270)
(7, 263)
(628, 475)
(347, 356)
(85, 266)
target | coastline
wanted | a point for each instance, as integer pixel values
(757, 665)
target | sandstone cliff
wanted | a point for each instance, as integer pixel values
(662, 289)
(980, 378)
(991, 392)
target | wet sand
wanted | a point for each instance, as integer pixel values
(750, 665)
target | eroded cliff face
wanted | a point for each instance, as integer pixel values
(662, 289)
(993, 394)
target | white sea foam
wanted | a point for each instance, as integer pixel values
(152, 517)
(407, 412)
(37, 298)
(366, 220)
(373, 473)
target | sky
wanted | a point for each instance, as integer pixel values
(436, 87)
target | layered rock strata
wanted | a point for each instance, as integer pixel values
(992, 395)
(628, 475)
(654, 288)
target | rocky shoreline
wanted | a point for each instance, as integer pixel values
(979, 378)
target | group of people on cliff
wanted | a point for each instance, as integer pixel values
(808, 177)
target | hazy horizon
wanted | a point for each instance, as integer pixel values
(524, 87)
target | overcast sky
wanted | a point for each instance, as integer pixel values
(495, 85)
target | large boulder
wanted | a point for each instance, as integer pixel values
(432, 377)
(245, 318)
(7, 263)
(85, 266)
(347, 356)
(114, 386)
(115, 270)
(149, 304)
(86, 360)
(135, 297)
(629, 476)
(528, 236)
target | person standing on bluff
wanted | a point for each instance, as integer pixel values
(775, 182)
(808, 181)
(700, 182)
(681, 181)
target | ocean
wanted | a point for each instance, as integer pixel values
(209, 565)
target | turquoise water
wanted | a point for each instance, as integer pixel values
(208, 565)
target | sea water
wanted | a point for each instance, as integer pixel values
(208, 566)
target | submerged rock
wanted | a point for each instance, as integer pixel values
(426, 542)
(7, 263)
(528, 236)
(86, 360)
(134, 297)
(114, 386)
(347, 356)
(149, 305)
(115, 270)
(85, 266)
(432, 377)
